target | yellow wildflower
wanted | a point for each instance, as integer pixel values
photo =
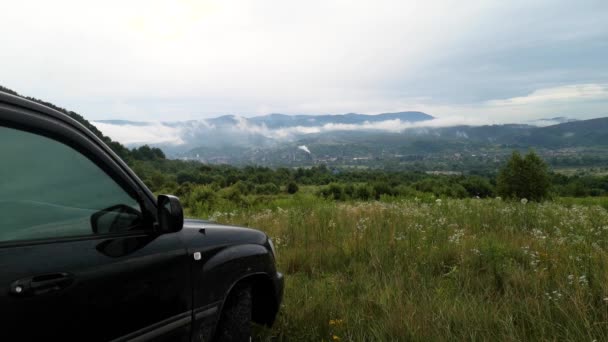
(335, 321)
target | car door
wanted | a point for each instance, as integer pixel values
(79, 256)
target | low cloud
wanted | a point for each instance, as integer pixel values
(390, 126)
(201, 132)
(574, 92)
(152, 133)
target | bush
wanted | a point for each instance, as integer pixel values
(234, 195)
(363, 192)
(267, 189)
(292, 188)
(478, 186)
(334, 191)
(201, 199)
(382, 188)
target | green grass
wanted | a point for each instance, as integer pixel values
(586, 201)
(434, 271)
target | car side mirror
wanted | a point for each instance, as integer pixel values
(170, 214)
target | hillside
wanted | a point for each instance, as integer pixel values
(592, 132)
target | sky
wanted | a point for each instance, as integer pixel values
(157, 60)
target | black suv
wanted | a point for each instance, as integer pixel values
(87, 253)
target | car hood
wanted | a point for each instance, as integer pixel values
(203, 234)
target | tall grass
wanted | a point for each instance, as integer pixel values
(444, 270)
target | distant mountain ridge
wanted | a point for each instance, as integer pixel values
(282, 120)
(346, 139)
(593, 132)
(231, 133)
(261, 139)
(274, 121)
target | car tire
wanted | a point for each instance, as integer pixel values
(235, 321)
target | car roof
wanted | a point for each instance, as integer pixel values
(35, 106)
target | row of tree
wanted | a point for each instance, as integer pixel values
(521, 177)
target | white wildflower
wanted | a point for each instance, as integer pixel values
(455, 238)
(582, 280)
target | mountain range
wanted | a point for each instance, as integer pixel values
(401, 139)
(278, 139)
(230, 131)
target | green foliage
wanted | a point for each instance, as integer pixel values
(363, 192)
(267, 189)
(525, 177)
(478, 186)
(382, 188)
(292, 188)
(334, 191)
(146, 152)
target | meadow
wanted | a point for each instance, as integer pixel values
(436, 269)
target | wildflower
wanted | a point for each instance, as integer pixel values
(335, 338)
(524, 201)
(538, 234)
(335, 321)
(554, 295)
(583, 280)
(332, 224)
(438, 201)
(458, 234)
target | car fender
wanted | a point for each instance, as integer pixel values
(221, 270)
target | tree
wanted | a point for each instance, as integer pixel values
(526, 177)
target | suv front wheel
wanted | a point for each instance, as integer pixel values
(235, 321)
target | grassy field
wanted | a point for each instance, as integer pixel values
(437, 270)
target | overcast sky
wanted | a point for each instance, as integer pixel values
(174, 60)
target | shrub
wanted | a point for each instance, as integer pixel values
(478, 186)
(292, 188)
(363, 192)
(267, 189)
(334, 191)
(382, 188)
(201, 199)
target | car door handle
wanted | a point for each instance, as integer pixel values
(41, 284)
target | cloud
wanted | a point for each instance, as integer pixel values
(192, 59)
(576, 92)
(153, 133)
(197, 133)
(391, 126)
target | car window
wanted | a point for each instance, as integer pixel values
(49, 190)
